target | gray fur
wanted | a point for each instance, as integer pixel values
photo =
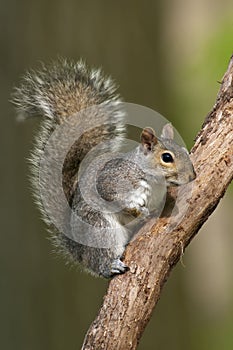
(127, 188)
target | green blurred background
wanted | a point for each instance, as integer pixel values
(167, 55)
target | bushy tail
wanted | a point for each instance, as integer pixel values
(59, 91)
(62, 89)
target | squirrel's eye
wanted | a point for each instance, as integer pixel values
(167, 157)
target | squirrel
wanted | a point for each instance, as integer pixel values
(64, 89)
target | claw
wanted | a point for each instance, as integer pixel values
(118, 267)
(144, 211)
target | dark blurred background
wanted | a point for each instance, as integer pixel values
(165, 55)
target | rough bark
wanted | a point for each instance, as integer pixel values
(131, 298)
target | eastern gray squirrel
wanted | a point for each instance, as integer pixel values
(59, 91)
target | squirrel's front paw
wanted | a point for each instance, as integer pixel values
(143, 211)
(118, 267)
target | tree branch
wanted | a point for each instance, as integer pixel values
(131, 297)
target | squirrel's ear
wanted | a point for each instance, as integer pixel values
(148, 139)
(168, 132)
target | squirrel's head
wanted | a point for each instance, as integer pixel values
(166, 155)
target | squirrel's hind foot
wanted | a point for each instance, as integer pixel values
(118, 267)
